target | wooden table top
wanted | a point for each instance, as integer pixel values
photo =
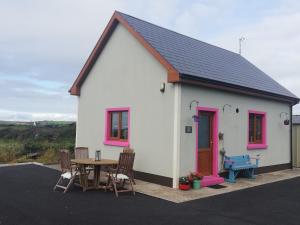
(93, 162)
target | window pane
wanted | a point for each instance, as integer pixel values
(124, 127)
(114, 124)
(251, 128)
(258, 131)
(204, 131)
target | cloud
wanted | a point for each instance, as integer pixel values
(272, 44)
(28, 116)
(44, 44)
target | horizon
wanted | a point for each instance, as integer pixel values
(45, 45)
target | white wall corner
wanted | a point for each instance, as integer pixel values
(76, 134)
(176, 133)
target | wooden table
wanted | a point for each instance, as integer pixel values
(84, 163)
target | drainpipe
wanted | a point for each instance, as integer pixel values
(176, 134)
(291, 134)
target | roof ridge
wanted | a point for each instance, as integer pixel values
(180, 33)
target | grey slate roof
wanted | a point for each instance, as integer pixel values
(296, 119)
(197, 59)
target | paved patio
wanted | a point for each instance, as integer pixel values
(178, 196)
(27, 199)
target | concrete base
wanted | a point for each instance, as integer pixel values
(211, 180)
(178, 196)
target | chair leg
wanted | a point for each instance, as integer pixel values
(114, 186)
(58, 182)
(131, 184)
(132, 177)
(69, 184)
(108, 182)
(123, 183)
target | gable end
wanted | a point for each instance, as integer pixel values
(173, 75)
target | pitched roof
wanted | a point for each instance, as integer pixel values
(296, 119)
(193, 59)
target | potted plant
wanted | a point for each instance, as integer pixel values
(184, 183)
(195, 180)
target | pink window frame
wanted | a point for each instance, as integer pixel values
(215, 138)
(263, 145)
(107, 140)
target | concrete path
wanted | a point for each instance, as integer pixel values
(178, 196)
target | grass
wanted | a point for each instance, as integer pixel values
(17, 141)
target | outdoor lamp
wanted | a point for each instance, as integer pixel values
(286, 121)
(162, 87)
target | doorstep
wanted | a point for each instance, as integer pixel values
(211, 180)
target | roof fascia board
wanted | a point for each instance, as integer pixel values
(238, 89)
(173, 74)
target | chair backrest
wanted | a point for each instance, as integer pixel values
(81, 153)
(65, 160)
(128, 150)
(126, 161)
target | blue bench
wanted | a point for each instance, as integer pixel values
(239, 164)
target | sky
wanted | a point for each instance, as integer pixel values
(44, 44)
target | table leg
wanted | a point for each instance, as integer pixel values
(97, 169)
(83, 178)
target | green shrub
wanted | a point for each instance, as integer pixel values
(47, 138)
(9, 151)
(49, 157)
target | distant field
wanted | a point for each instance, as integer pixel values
(18, 140)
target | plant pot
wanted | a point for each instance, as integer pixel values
(196, 184)
(184, 187)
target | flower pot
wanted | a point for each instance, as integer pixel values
(196, 184)
(184, 187)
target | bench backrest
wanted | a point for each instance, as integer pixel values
(238, 160)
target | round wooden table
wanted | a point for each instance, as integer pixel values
(82, 165)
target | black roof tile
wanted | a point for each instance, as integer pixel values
(194, 58)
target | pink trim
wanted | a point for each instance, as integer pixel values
(215, 139)
(256, 146)
(117, 143)
(211, 180)
(263, 145)
(107, 141)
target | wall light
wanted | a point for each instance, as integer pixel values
(162, 87)
(224, 106)
(194, 101)
(286, 121)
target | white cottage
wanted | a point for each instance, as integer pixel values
(179, 102)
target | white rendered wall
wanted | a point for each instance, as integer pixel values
(234, 126)
(127, 75)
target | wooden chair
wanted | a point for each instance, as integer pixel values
(130, 150)
(81, 153)
(69, 172)
(123, 172)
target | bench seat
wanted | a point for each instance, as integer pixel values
(239, 164)
(240, 167)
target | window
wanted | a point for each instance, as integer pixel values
(117, 127)
(257, 130)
